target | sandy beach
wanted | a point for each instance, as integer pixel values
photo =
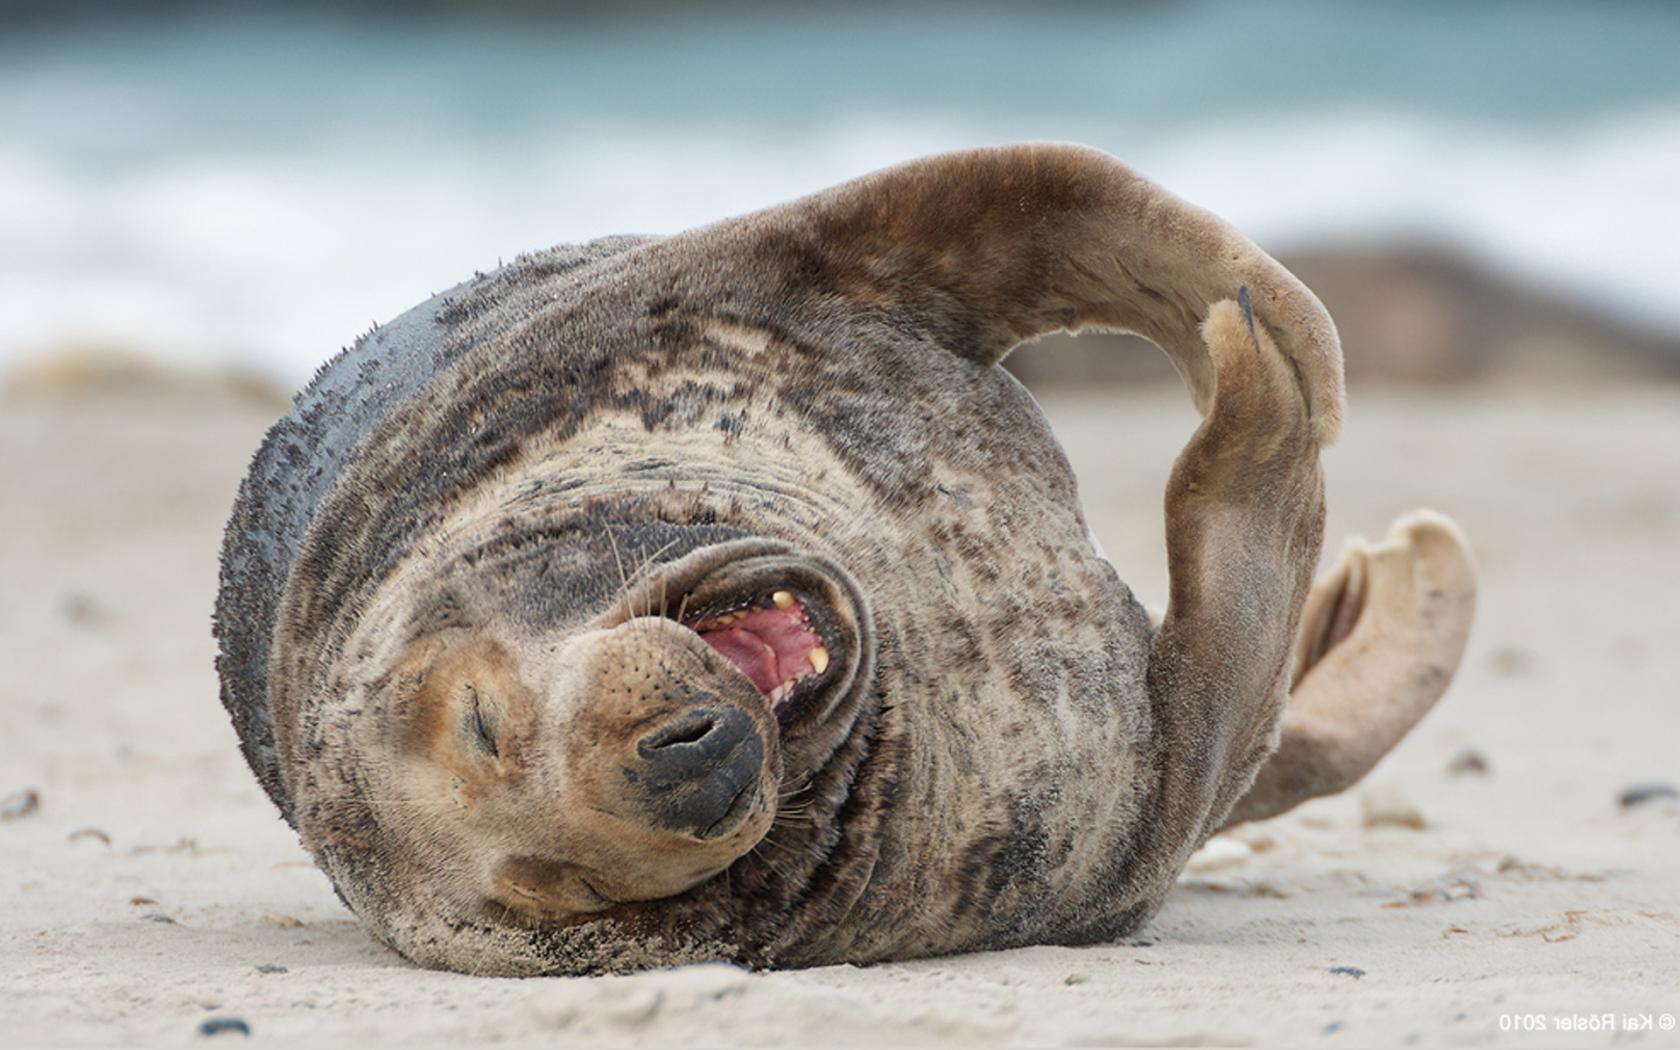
(150, 887)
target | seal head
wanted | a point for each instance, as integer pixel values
(548, 768)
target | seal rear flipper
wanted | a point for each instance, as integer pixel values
(1381, 636)
(985, 249)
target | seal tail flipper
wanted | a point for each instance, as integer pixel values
(1380, 638)
(984, 249)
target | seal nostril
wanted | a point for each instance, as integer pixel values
(690, 729)
(697, 772)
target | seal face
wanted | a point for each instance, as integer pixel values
(718, 597)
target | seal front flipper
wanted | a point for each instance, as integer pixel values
(1381, 637)
(985, 249)
(1245, 521)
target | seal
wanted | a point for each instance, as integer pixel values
(719, 597)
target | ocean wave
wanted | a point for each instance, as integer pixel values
(277, 260)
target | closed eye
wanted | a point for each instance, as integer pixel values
(481, 726)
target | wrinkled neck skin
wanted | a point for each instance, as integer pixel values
(977, 785)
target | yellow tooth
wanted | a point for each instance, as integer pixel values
(783, 599)
(819, 659)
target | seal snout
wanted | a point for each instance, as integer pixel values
(701, 770)
(660, 734)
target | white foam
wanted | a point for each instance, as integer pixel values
(1589, 211)
(279, 260)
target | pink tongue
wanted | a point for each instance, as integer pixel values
(770, 645)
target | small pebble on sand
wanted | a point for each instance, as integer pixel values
(1348, 971)
(1638, 794)
(89, 835)
(20, 804)
(83, 610)
(224, 1026)
(1385, 807)
(1259, 841)
(281, 922)
(1219, 853)
(1512, 661)
(1469, 763)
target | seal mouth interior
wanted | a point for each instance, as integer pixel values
(791, 622)
(771, 638)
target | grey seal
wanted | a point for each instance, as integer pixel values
(719, 596)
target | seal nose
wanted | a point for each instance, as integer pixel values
(700, 770)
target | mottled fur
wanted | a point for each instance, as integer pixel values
(1010, 752)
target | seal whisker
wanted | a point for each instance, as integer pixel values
(790, 793)
(793, 851)
(766, 841)
(623, 583)
(646, 566)
(647, 598)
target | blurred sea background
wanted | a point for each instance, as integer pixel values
(1476, 190)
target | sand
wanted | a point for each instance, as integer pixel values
(154, 887)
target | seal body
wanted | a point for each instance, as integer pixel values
(718, 596)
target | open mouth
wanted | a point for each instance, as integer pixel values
(787, 620)
(771, 638)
